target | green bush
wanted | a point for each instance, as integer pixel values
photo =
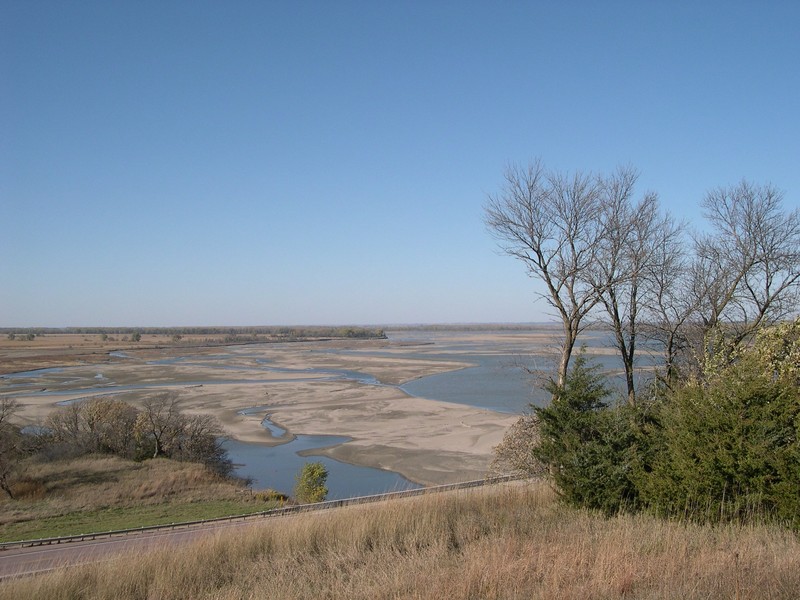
(724, 446)
(271, 496)
(588, 446)
(728, 447)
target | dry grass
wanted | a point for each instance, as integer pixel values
(511, 542)
(101, 493)
(60, 350)
(88, 483)
(73, 349)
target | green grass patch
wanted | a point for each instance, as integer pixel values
(110, 519)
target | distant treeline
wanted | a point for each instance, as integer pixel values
(275, 331)
(474, 327)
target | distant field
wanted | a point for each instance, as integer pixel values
(30, 349)
(71, 349)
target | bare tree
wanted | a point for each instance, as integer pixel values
(193, 438)
(201, 441)
(618, 271)
(110, 425)
(747, 272)
(160, 422)
(551, 222)
(10, 444)
(668, 303)
(67, 429)
(640, 242)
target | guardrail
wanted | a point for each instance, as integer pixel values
(275, 512)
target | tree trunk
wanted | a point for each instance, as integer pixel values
(5, 487)
(566, 353)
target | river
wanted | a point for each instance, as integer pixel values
(498, 378)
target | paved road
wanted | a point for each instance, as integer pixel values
(36, 559)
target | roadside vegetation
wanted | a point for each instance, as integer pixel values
(104, 425)
(506, 542)
(103, 492)
(102, 464)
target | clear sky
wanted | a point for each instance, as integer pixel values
(254, 163)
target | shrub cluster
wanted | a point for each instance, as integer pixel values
(723, 446)
(159, 428)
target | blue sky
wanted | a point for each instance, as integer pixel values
(233, 163)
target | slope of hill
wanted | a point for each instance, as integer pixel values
(504, 542)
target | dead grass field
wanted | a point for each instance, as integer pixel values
(507, 542)
(96, 481)
(100, 493)
(70, 349)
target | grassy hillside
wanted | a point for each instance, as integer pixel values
(507, 542)
(100, 493)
